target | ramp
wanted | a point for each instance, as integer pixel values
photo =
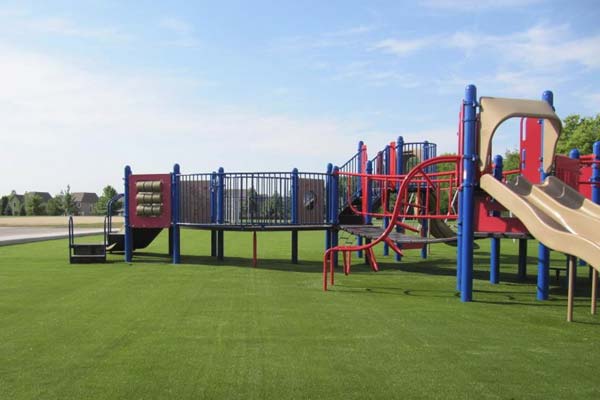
(548, 219)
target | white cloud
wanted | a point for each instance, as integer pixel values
(64, 27)
(480, 5)
(367, 73)
(68, 124)
(401, 47)
(540, 47)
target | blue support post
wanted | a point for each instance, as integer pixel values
(128, 231)
(425, 222)
(387, 168)
(295, 202)
(596, 174)
(213, 213)
(399, 171)
(295, 191)
(359, 168)
(220, 213)
(495, 242)
(368, 218)
(359, 239)
(335, 180)
(176, 245)
(543, 278)
(468, 183)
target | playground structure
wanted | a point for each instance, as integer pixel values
(406, 187)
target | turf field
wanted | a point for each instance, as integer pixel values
(208, 329)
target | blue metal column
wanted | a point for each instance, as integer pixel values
(543, 278)
(387, 168)
(295, 202)
(175, 214)
(128, 232)
(399, 171)
(596, 174)
(335, 183)
(221, 213)
(425, 222)
(469, 171)
(495, 242)
(213, 213)
(368, 218)
(359, 239)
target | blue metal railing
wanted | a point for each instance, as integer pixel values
(253, 198)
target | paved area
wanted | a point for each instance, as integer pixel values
(26, 234)
(57, 221)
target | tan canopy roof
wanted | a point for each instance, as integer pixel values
(494, 111)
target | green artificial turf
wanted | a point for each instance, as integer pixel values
(208, 329)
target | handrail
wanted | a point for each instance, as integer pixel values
(403, 190)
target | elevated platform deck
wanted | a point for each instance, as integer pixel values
(257, 227)
(373, 232)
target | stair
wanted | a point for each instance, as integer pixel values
(85, 253)
(82, 253)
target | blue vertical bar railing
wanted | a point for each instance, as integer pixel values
(399, 171)
(543, 278)
(128, 245)
(495, 242)
(468, 187)
(176, 246)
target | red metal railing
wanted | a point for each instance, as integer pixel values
(422, 195)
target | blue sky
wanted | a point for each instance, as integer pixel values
(89, 86)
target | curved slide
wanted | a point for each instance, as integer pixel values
(553, 214)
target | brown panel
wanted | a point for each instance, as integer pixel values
(311, 201)
(194, 202)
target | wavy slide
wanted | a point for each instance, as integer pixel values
(555, 214)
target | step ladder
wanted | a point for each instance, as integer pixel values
(80, 253)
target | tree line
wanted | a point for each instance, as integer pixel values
(62, 203)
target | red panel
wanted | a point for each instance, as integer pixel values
(162, 221)
(567, 170)
(485, 222)
(585, 175)
(531, 149)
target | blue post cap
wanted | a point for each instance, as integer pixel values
(295, 171)
(127, 170)
(470, 93)
(574, 153)
(176, 168)
(498, 160)
(400, 140)
(369, 167)
(329, 168)
(548, 97)
(221, 170)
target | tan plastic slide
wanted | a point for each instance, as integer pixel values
(553, 214)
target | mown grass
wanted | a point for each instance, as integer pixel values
(208, 329)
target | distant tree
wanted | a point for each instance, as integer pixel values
(579, 133)
(107, 193)
(512, 160)
(34, 205)
(55, 205)
(4, 205)
(68, 204)
(276, 206)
